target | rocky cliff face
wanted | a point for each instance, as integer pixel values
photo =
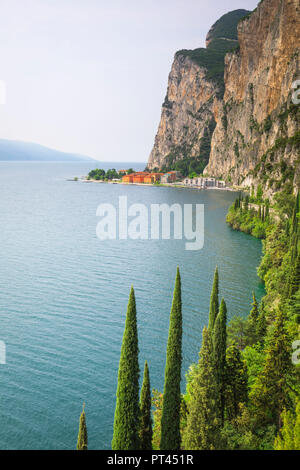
(187, 114)
(195, 90)
(256, 140)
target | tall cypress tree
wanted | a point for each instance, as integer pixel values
(254, 314)
(219, 355)
(145, 431)
(289, 436)
(170, 421)
(126, 422)
(82, 441)
(261, 326)
(294, 281)
(203, 423)
(214, 302)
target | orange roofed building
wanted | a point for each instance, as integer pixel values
(142, 177)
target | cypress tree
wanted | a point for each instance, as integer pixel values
(145, 431)
(295, 212)
(126, 422)
(170, 421)
(294, 281)
(271, 392)
(267, 211)
(214, 302)
(236, 381)
(219, 356)
(82, 441)
(294, 307)
(246, 205)
(261, 326)
(203, 423)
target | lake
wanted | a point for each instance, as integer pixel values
(63, 296)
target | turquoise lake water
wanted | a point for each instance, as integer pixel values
(63, 297)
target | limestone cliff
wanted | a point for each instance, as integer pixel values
(256, 140)
(239, 115)
(187, 114)
(195, 90)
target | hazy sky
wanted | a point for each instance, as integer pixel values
(89, 76)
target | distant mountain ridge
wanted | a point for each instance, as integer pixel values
(13, 150)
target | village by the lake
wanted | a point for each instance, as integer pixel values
(170, 178)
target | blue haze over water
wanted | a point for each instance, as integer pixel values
(63, 297)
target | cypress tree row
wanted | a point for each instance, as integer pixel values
(170, 421)
(82, 441)
(126, 422)
(145, 431)
(219, 356)
(214, 301)
(203, 424)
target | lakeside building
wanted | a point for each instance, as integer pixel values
(142, 177)
(150, 178)
(204, 182)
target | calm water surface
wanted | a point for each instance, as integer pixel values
(63, 297)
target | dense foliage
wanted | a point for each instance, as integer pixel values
(244, 391)
(250, 215)
(170, 420)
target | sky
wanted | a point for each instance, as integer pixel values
(89, 76)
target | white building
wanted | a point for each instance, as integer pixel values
(204, 182)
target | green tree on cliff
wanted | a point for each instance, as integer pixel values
(254, 314)
(219, 340)
(145, 431)
(126, 422)
(170, 422)
(82, 441)
(214, 301)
